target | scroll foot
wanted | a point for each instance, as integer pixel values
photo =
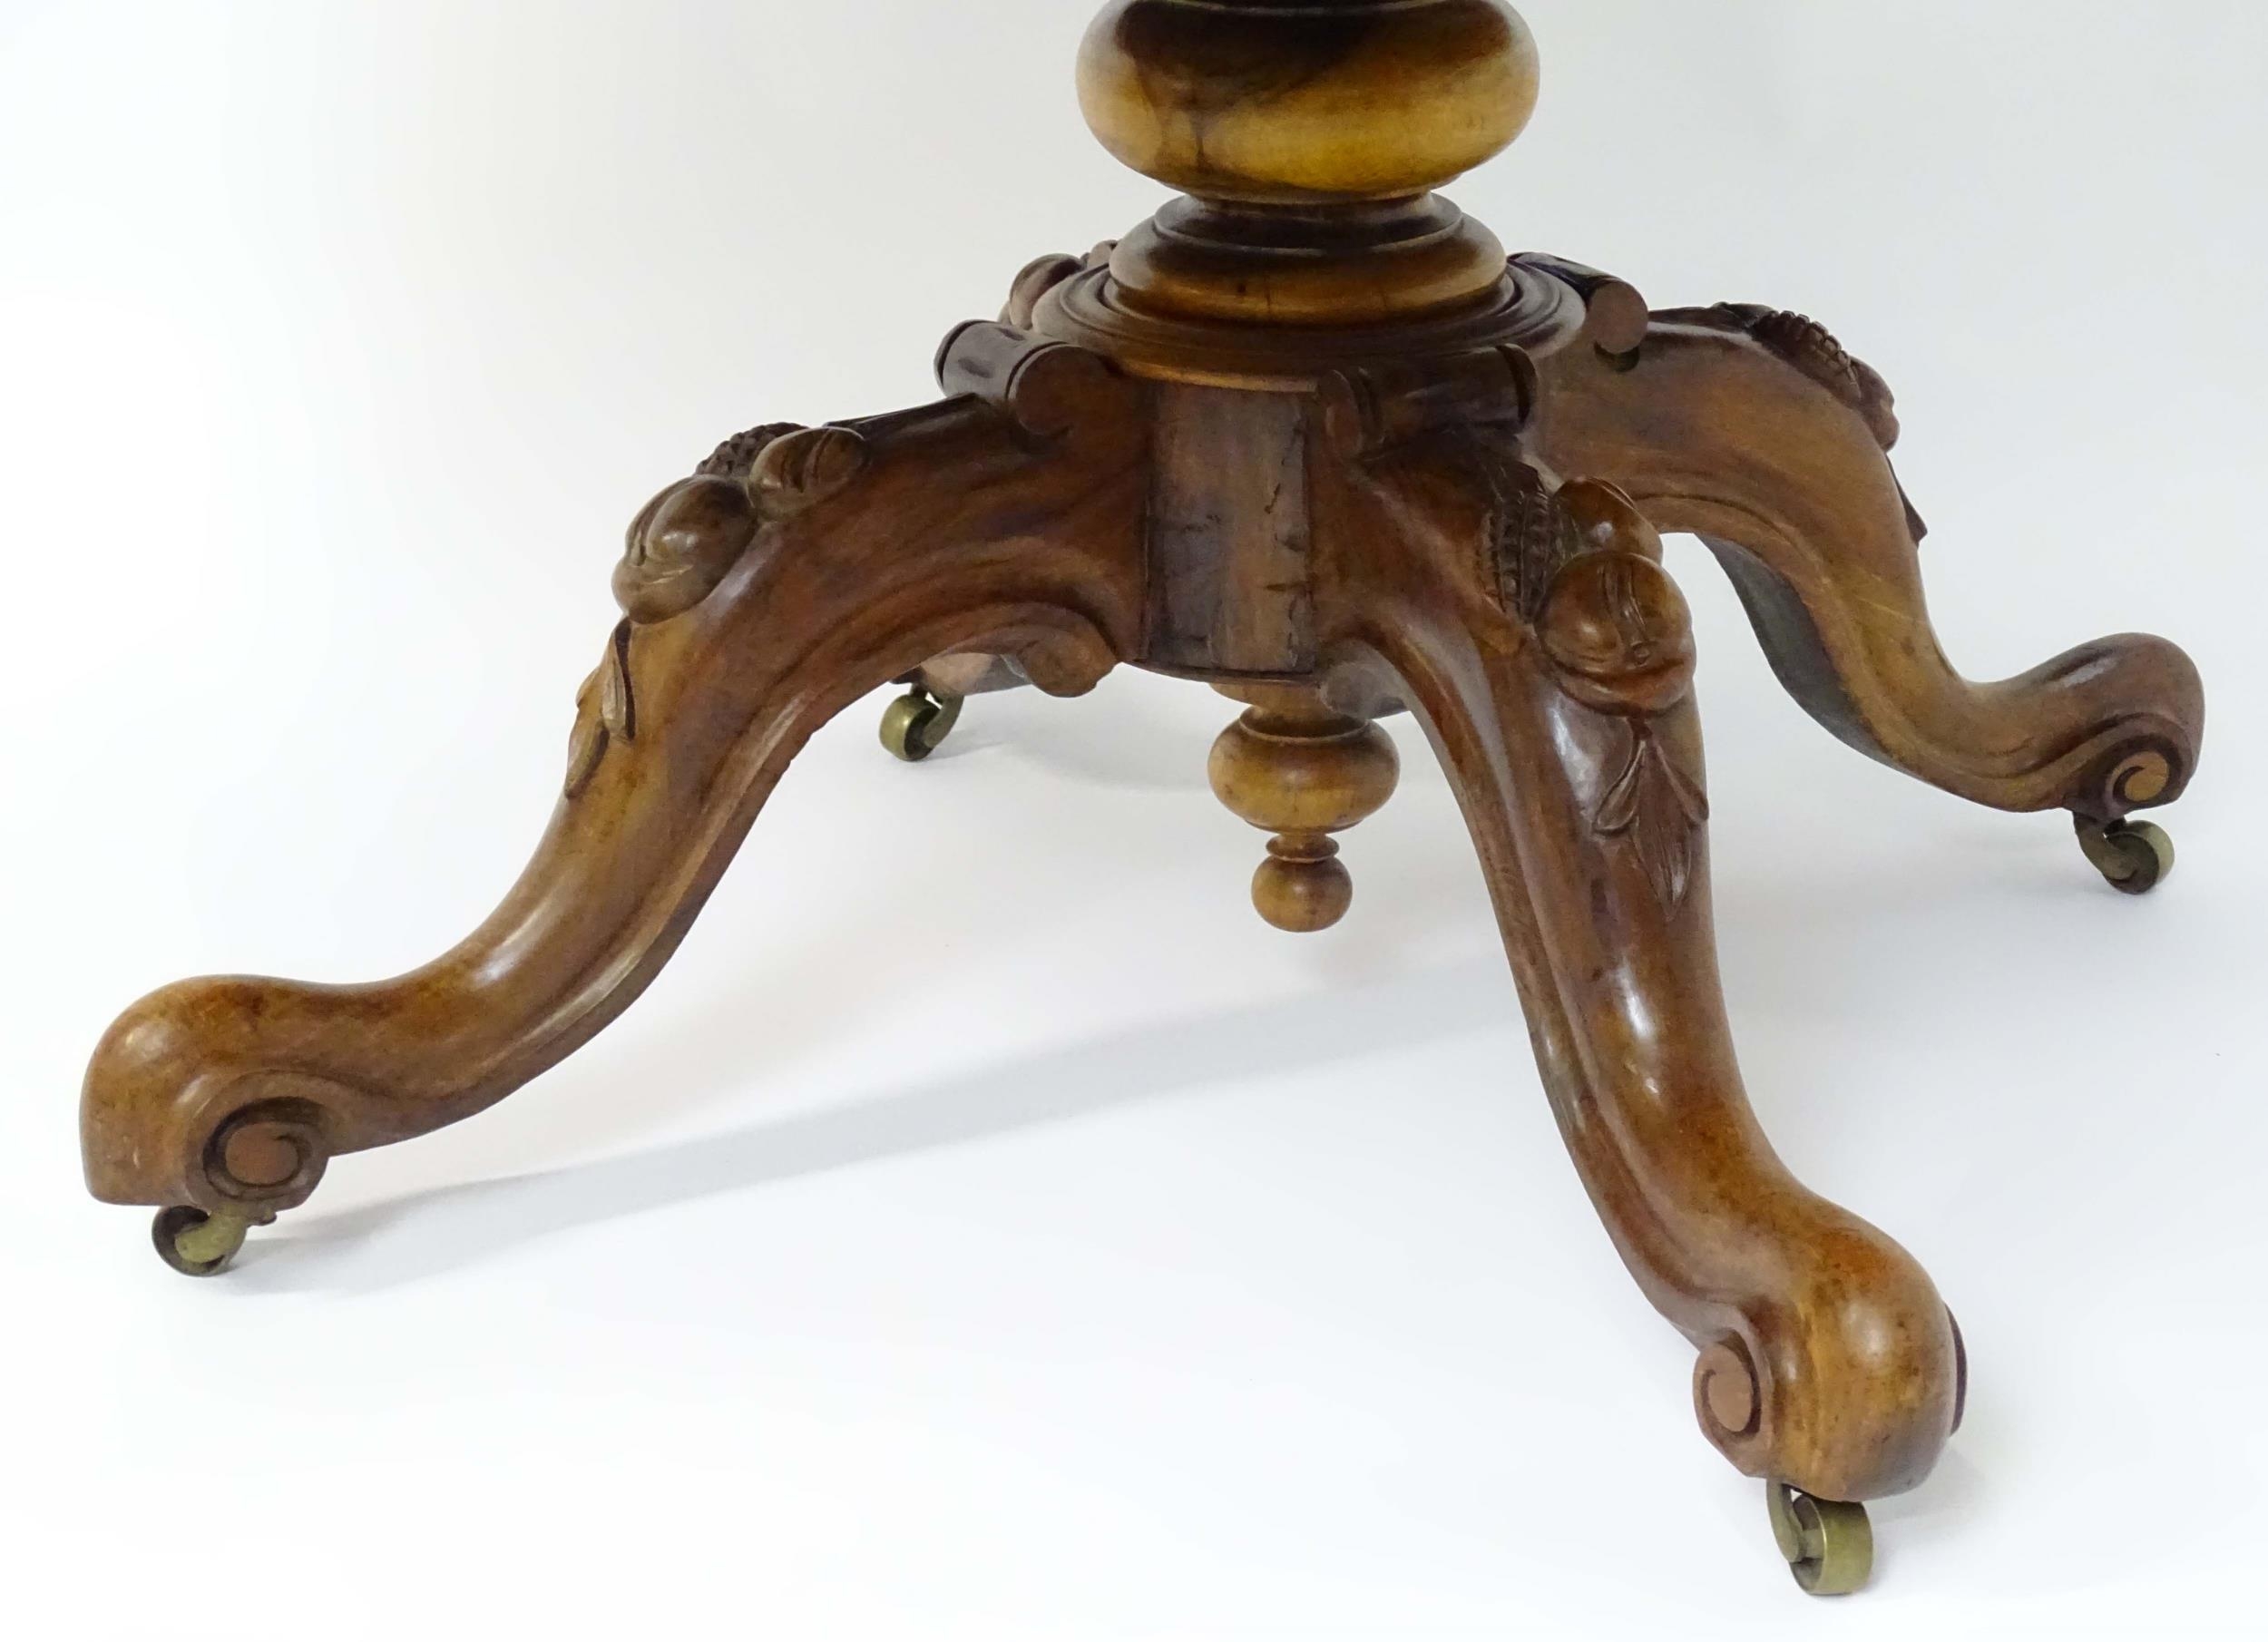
(1550, 659)
(1757, 431)
(794, 571)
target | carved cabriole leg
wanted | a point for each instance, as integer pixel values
(797, 573)
(1549, 658)
(1755, 430)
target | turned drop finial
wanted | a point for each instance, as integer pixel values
(1295, 101)
(1295, 766)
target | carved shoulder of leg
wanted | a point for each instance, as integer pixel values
(1757, 430)
(796, 571)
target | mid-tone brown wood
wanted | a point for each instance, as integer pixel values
(799, 571)
(1551, 659)
(1309, 435)
(1293, 101)
(1229, 534)
(1296, 766)
(1756, 432)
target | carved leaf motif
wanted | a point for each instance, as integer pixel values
(1530, 536)
(615, 714)
(618, 704)
(586, 744)
(1618, 809)
(1804, 342)
(1658, 810)
(738, 454)
(1812, 348)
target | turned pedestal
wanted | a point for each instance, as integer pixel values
(1310, 436)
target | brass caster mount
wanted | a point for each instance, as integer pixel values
(2135, 857)
(917, 723)
(1829, 1545)
(198, 1245)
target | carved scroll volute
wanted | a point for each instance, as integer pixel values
(683, 544)
(1043, 274)
(1619, 638)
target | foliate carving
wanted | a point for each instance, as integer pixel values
(1658, 810)
(682, 545)
(606, 710)
(738, 454)
(1530, 536)
(1619, 638)
(1812, 348)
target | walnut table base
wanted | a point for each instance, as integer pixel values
(1310, 436)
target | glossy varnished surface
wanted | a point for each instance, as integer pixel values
(1313, 439)
(1757, 430)
(843, 566)
(1285, 102)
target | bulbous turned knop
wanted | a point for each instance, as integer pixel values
(1268, 102)
(1291, 777)
(1293, 768)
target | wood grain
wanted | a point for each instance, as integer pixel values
(1309, 435)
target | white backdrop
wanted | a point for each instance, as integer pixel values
(987, 1227)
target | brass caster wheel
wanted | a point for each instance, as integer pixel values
(1829, 1546)
(917, 722)
(2134, 855)
(195, 1244)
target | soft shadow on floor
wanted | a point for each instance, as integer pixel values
(1113, 737)
(420, 1235)
(433, 1232)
